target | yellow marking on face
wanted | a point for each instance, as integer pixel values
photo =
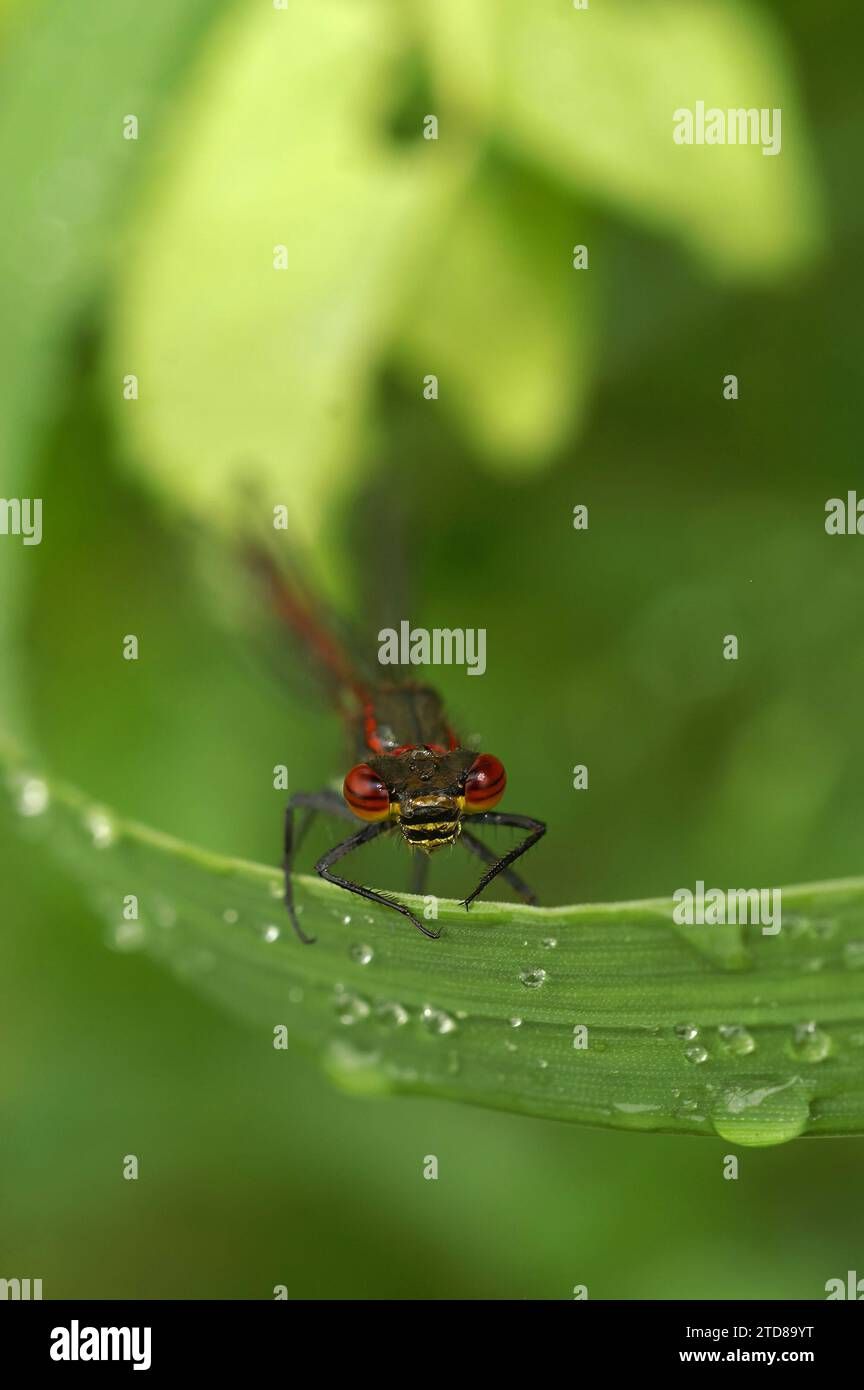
(452, 829)
(449, 825)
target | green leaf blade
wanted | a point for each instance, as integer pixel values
(759, 1048)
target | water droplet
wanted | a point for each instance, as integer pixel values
(510, 1046)
(532, 979)
(815, 929)
(515, 1022)
(351, 1008)
(166, 914)
(437, 1021)
(391, 1014)
(358, 1072)
(853, 955)
(736, 1039)
(687, 1031)
(346, 920)
(230, 915)
(763, 1114)
(362, 954)
(810, 1044)
(196, 961)
(127, 936)
(270, 932)
(696, 1054)
(32, 796)
(550, 942)
(542, 1064)
(101, 828)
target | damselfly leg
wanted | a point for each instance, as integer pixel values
(326, 802)
(363, 837)
(419, 874)
(329, 802)
(477, 847)
(537, 830)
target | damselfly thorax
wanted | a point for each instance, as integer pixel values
(415, 773)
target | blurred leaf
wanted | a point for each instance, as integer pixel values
(590, 95)
(503, 320)
(759, 1051)
(68, 76)
(247, 371)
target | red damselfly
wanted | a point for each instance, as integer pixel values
(412, 776)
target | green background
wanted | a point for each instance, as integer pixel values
(706, 518)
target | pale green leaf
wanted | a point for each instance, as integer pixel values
(69, 74)
(249, 372)
(590, 94)
(503, 320)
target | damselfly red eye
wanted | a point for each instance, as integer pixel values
(485, 783)
(366, 794)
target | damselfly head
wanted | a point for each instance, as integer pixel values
(425, 790)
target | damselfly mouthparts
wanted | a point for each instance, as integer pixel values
(412, 775)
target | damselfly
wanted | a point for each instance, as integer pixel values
(412, 775)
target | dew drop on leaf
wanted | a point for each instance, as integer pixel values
(32, 796)
(101, 828)
(391, 1014)
(351, 1008)
(127, 936)
(437, 1021)
(762, 1114)
(736, 1040)
(809, 1043)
